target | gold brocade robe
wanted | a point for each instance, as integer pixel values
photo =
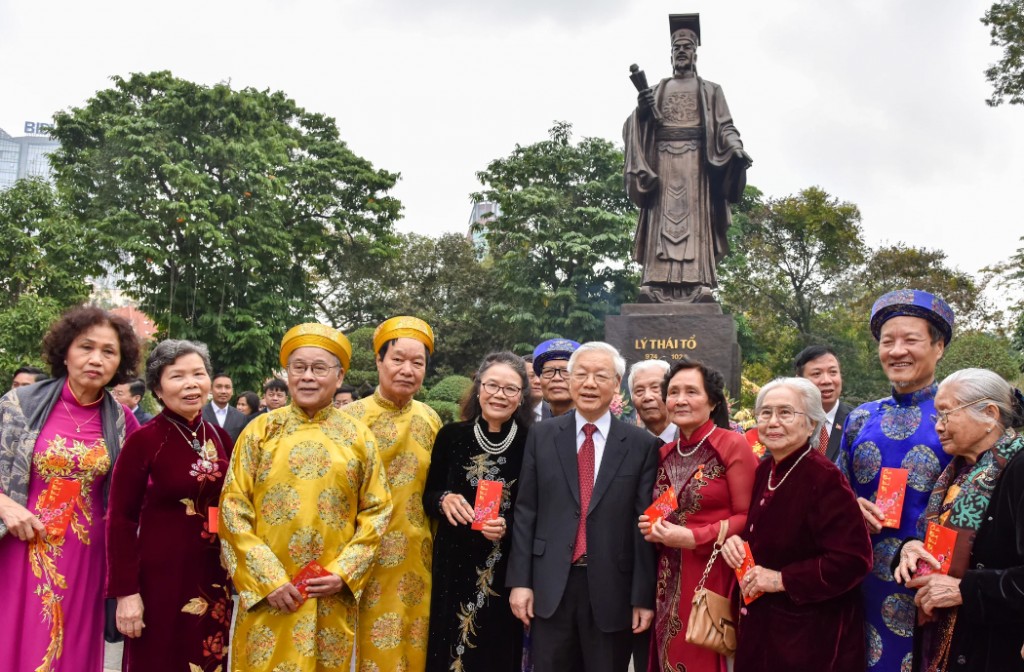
(301, 489)
(394, 611)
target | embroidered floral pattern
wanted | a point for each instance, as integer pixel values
(303, 634)
(280, 505)
(333, 508)
(402, 469)
(259, 645)
(332, 646)
(305, 545)
(386, 631)
(309, 460)
(392, 549)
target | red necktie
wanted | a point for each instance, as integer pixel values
(823, 439)
(585, 465)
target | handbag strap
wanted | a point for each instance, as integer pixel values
(723, 529)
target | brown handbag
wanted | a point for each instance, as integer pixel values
(711, 623)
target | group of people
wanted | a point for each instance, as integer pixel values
(361, 534)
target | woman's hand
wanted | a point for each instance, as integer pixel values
(911, 552)
(457, 509)
(733, 551)
(129, 615)
(671, 535)
(936, 591)
(873, 516)
(322, 586)
(494, 529)
(21, 522)
(761, 580)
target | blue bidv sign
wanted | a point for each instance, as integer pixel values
(38, 127)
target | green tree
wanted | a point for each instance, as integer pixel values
(562, 242)
(983, 350)
(1005, 19)
(439, 280)
(45, 260)
(215, 206)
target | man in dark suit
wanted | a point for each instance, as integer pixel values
(220, 410)
(820, 365)
(581, 575)
(130, 395)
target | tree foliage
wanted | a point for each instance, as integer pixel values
(215, 206)
(562, 240)
(793, 256)
(45, 261)
(440, 280)
(983, 350)
(1005, 19)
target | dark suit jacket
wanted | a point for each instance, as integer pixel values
(835, 435)
(141, 415)
(233, 424)
(620, 564)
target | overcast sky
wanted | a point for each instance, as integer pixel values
(880, 103)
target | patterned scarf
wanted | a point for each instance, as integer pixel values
(959, 501)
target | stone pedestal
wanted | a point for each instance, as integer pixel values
(669, 331)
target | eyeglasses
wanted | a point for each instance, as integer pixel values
(319, 369)
(944, 415)
(509, 391)
(601, 377)
(785, 414)
(550, 374)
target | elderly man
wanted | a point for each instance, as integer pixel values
(913, 329)
(645, 381)
(394, 612)
(581, 575)
(306, 483)
(551, 364)
(820, 365)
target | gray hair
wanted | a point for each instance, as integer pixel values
(168, 352)
(975, 384)
(600, 346)
(660, 364)
(805, 389)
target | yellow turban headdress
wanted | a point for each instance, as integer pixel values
(403, 326)
(317, 336)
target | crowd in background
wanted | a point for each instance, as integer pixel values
(309, 529)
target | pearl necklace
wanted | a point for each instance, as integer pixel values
(695, 448)
(776, 487)
(494, 448)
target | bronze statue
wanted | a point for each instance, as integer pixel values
(684, 164)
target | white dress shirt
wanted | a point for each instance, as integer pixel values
(221, 413)
(604, 423)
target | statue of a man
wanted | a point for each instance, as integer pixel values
(684, 164)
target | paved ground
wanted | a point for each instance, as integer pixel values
(112, 658)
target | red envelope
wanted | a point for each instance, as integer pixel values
(892, 488)
(741, 571)
(940, 542)
(487, 504)
(57, 504)
(213, 520)
(312, 570)
(662, 506)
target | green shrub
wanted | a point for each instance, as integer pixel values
(448, 411)
(451, 389)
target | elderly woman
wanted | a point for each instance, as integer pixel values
(971, 619)
(469, 565)
(711, 470)
(809, 544)
(58, 441)
(163, 556)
